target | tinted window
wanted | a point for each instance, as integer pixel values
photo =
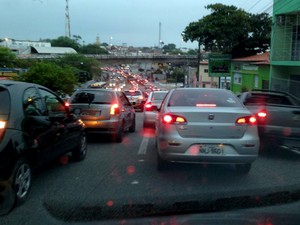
(32, 103)
(53, 103)
(5, 101)
(267, 99)
(158, 96)
(93, 97)
(203, 97)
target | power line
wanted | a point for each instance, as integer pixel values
(254, 5)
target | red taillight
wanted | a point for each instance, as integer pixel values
(173, 119)
(247, 120)
(67, 104)
(148, 106)
(205, 105)
(262, 114)
(114, 109)
(2, 129)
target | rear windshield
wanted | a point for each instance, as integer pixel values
(158, 96)
(203, 98)
(262, 99)
(132, 93)
(5, 101)
(93, 97)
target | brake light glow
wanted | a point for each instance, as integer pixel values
(262, 114)
(173, 119)
(205, 105)
(2, 124)
(148, 106)
(114, 109)
(67, 104)
(248, 120)
(2, 129)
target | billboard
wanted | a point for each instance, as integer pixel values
(219, 65)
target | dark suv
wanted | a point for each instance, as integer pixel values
(35, 127)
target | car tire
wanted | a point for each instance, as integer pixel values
(21, 180)
(132, 126)
(79, 153)
(243, 168)
(161, 164)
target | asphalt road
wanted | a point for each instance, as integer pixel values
(119, 180)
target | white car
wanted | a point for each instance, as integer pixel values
(151, 106)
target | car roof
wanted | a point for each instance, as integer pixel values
(19, 86)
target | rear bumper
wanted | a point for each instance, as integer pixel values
(105, 127)
(233, 151)
(149, 118)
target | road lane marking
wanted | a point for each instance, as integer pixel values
(143, 146)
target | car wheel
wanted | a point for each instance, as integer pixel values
(243, 168)
(21, 180)
(132, 127)
(79, 153)
(161, 164)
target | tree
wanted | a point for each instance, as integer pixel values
(59, 79)
(93, 49)
(6, 57)
(178, 75)
(66, 42)
(81, 63)
(230, 30)
(195, 32)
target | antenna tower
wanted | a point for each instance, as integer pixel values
(67, 28)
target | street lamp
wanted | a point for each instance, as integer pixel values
(6, 40)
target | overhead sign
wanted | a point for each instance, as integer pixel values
(219, 65)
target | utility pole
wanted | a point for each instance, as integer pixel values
(67, 18)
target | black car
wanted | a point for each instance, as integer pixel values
(36, 127)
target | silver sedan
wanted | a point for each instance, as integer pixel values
(206, 125)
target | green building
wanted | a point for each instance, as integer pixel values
(285, 47)
(252, 72)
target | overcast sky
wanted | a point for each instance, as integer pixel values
(130, 22)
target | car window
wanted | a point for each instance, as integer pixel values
(5, 101)
(32, 103)
(93, 97)
(267, 99)
(53, 103)
(203, 97)
(158, 96)
(124, 99)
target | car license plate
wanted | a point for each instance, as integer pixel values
(210, 150)
(90, 113)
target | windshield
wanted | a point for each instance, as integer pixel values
(204, 97)
(155, 112)
(92, 97)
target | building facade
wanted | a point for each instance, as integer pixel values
(204, 79)
(285, 47)
(252, 72)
